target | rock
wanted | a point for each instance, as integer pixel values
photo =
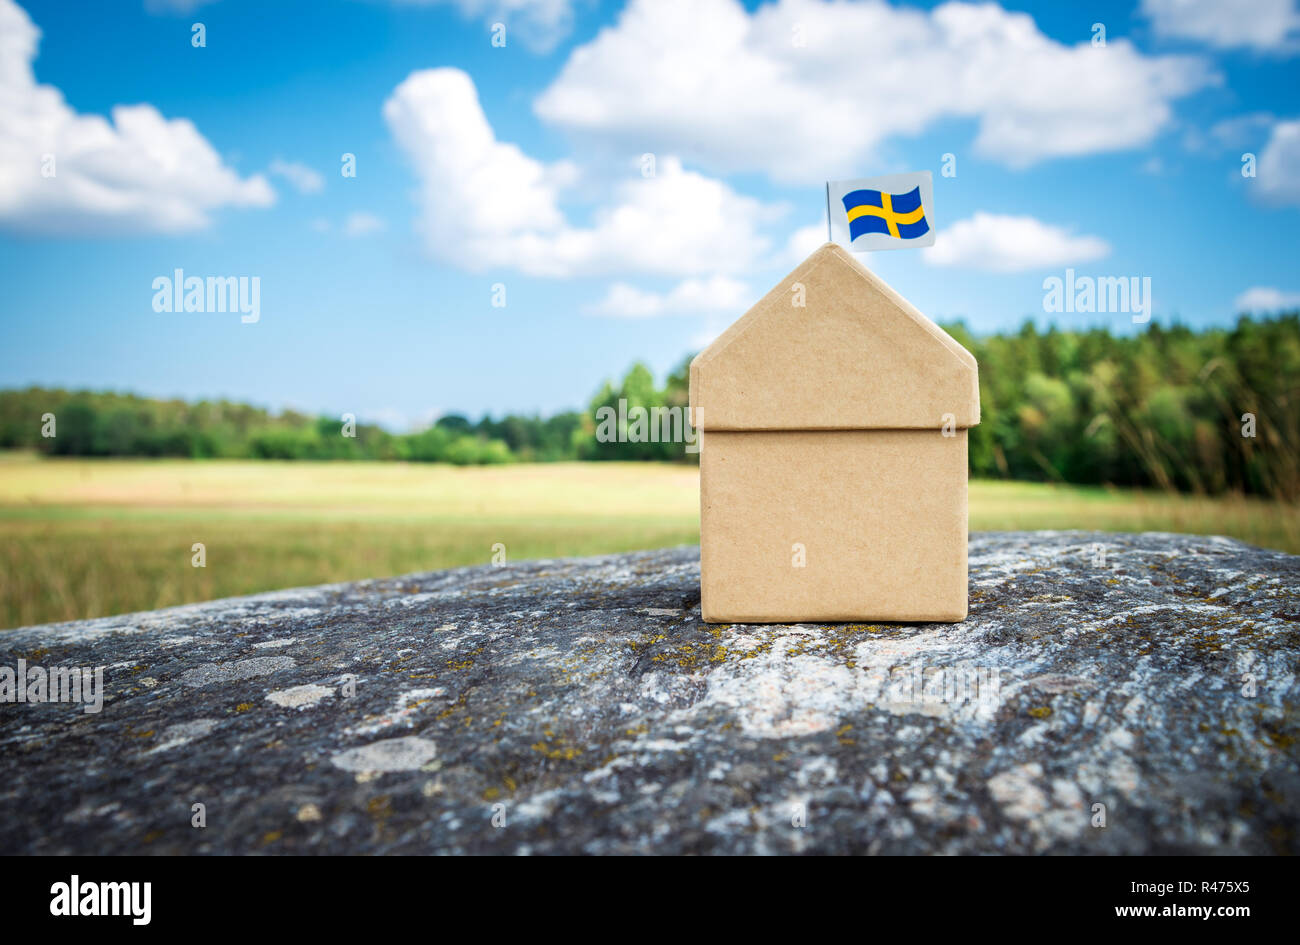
(1108, 694)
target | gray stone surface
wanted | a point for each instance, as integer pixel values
(584, 705)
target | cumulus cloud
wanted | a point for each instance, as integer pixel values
(996, 243)
(304, 179)
(803, 241)
(690, 297)
(485, 203)
(1277, 176)
(539, 24)
(1265, 299)
(1261, 25)
(61, 171)
(803, 89)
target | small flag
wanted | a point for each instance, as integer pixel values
(891, 212)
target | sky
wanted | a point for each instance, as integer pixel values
(494, 205)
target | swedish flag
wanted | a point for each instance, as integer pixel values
(901, 216)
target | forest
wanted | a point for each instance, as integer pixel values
(1203, 411)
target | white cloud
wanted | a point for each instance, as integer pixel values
(485, 203)
(803, 241)
(997, 243)
(1277, 175)
(1261, 25)
(304, 179)
(138, 172)
(539, 24)
(362, 224)
(690, 297)
(1265, 299)
(734, 90)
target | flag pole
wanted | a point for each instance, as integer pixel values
(828, 212)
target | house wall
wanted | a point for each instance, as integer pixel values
(881, 516)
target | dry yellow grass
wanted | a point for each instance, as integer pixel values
(86, 538)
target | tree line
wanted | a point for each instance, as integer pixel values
(1210, 411)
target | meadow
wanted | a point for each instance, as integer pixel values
(90, 537)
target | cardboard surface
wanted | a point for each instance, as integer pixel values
(833, 455)
(855, 356)
(881, 516)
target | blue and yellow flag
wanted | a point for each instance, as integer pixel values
(878, 211)
(890, 212)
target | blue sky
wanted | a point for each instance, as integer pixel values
(522, 165)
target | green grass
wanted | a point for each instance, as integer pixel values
(85, 538)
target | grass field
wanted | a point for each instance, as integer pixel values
(86, 538)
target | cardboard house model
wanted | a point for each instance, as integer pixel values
(833, 419)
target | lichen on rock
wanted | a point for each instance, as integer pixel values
(1109, 693)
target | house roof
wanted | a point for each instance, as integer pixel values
(855, 356)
